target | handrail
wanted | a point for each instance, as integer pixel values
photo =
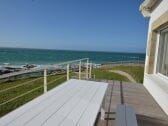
(39, 68)
(56, 79)
(26, 83)
(20, 84)
(45, 68)
(64, 63)
(20, 95)
(29, 91)
(126, 61)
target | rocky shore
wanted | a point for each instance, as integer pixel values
(10, 69)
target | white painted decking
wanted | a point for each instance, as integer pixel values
(73, 103)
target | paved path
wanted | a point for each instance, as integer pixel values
(124, 74)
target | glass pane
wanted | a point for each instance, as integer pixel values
(163, 56)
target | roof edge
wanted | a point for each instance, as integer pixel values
(148, 6)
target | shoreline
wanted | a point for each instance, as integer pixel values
(10, 72)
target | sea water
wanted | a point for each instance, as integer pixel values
(21, 56)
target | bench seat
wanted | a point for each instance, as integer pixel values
(125, 116)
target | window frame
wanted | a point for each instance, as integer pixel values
(161, 31)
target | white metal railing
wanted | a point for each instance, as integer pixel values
(67, 65)
(53, 66)
(127, 62)
(22, 84)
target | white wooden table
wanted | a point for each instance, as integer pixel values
(73, 103)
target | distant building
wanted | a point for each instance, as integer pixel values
(156, 65)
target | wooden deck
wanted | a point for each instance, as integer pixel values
(148, 111)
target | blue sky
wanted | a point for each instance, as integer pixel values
(96, 25)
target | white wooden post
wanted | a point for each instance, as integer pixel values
(67, 71)
(80, 70)
(45, 81)
(102, 112)
(87, 68)
(90, 71)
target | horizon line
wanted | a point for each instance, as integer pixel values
(73, 50)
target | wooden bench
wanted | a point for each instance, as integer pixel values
(125, 116)
(73, 103)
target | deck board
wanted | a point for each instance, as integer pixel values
(68, 110)
(148, 111)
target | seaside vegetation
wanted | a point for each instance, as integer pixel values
(12, 93)
(106, 75)
(136, 71)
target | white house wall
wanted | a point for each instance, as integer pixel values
(159, 10)
(160, 94)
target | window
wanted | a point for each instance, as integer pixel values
(163, 53)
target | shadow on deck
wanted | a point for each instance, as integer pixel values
(148, 111)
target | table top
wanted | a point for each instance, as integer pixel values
(73, 103)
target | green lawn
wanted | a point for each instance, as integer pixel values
(136, 71)
(106, 75)
(7, 95)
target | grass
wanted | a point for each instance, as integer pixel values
(9, 94)
(106, 75)
(136, 71)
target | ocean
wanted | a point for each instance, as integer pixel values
(21, 56)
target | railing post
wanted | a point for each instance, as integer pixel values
(87, 62)
(45, 81)
(67, 71)
(80, 70)
(90, 71)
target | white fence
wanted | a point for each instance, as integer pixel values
(127, 62)
(79, 67)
